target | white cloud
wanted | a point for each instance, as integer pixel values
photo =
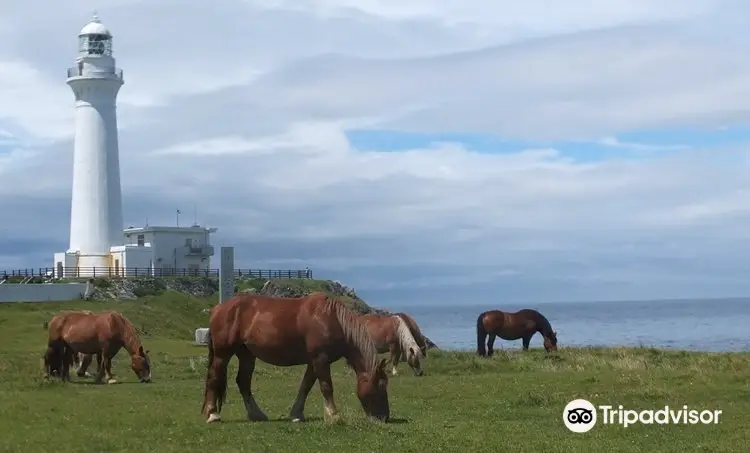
(242, 108)
(614, 142)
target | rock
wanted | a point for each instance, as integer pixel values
(133, 288)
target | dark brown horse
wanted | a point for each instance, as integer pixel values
(313, 330)
(390, 333)
(104, 334)
(79, 360)
(512, 326)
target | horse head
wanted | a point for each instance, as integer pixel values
(414, 359)
(141, 365)
(550, 341)
(372, 391)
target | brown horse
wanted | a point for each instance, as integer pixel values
(390, 333)
(104, 334)
(313, 330)
(512, 326)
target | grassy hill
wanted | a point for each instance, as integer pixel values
(511, 402)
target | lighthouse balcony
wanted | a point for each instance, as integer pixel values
(204, 250)
(104, 73)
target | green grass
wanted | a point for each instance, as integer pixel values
(512, 402)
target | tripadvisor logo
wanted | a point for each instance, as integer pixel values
(581, 416)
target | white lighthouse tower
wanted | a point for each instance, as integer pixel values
(96, 223)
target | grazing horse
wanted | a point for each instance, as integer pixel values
(390, 333)
(79, 360)
(313, 330)
(512, 326)
(104, 334)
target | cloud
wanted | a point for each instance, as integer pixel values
(614, 142)
(250, 121)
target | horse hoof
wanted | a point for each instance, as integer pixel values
(214, 417)
(112, 381)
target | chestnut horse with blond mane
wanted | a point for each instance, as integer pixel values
(512, 326)
(313, 330)
(391, 333)
(104, 334)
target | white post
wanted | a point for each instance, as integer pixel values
(226, 288)
(226, 274)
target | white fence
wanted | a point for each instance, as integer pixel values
(41, 292)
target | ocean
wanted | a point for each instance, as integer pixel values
(700, 325)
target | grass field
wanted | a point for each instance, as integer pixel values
(512, 402)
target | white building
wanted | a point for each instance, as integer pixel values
(164, 250)
(96, 221)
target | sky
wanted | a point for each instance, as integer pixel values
(420, 151)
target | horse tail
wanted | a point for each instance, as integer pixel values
(356, 335)
(481, 336)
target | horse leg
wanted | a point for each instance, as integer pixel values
(67, 358)
(52, 361)
(216, 383)
(107, 355)
(84, 365)
(491, 344)
(99, 378)
(298, 407)
(395, 350)
(526, 341)
(322, 368)
(244, 385)
(108, 369)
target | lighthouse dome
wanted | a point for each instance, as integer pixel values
(94, 27)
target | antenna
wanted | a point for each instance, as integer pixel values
(195, 214)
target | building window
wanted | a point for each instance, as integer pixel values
(188, 242)
(141, 240)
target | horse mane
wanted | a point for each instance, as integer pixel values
(544, 324)
(416, 332)
(355, 332)
(405, 337)
(129, 335)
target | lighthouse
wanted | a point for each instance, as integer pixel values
(96, 223)
(99, 245)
